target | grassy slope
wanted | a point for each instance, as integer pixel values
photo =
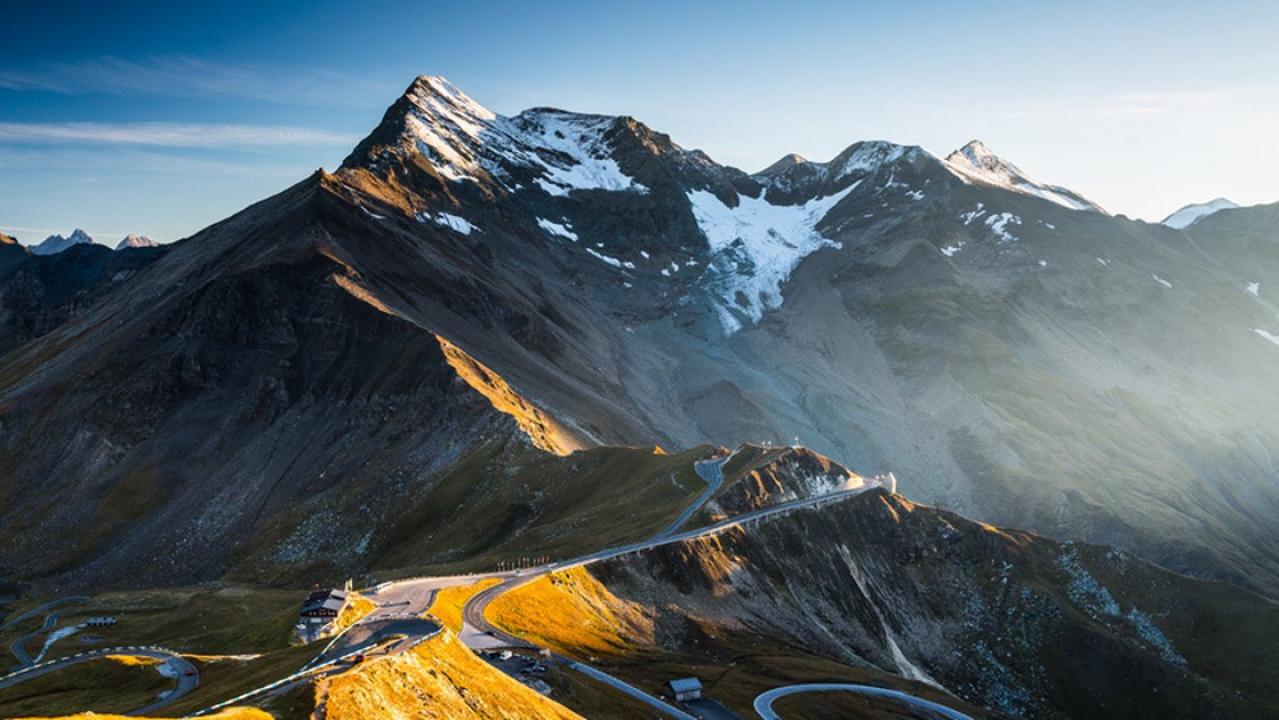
(205, 621)
(499, 504)
(208, 619)
(228, 714)
(81, 687)
(438, 679)
(450, 601)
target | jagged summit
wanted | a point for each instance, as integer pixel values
(1189, 214)
(461, 140)
(794, 178)
(7, 239)
(57, 243)
(975, 162)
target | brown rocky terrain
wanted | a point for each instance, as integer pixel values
(1005, 620)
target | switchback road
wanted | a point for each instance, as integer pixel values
(764, 701)
(178, 667)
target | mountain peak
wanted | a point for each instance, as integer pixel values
(977, 155)
(1189, 214)
(136, 241)
(976, 163)
(785, 163)
(57, 243)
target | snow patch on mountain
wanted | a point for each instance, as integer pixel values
(1267, 335)
(56, 243)
(1254, 288)
(448, 220)
(580, 138)
(950, 250)
(1161, 281)
(1188, 215)
(975, 163)
(555, 228)
(998, 224)
(756, 245)
(612, 260)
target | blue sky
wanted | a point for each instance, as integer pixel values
(164, 117)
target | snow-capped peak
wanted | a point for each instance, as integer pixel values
(57, 243)
(136, 241)
(465, 141)
(975, 163)
(1188, 215)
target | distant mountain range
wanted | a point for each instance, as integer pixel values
(57, 243)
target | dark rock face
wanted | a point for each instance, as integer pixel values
(1007, 620)
(40, 292)
(259, 410)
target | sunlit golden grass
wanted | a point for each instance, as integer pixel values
(450, 601)
(356, 608)
(572, 612)
(440, 678)
(138, 660)
(246, 713)
(543, 430)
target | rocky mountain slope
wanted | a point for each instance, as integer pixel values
(999, 344)
(40, 292)
(1006, 620)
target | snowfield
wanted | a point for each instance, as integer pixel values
(1188, 215)
(756, 245)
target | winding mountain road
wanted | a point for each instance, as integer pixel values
(764, 701)
(41, 608)
(478, 633)
(19, 647)
(712, 471)
(186, 675)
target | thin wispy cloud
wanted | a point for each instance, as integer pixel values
(91, 162)
(185, 76)
(187, 135)
(1130, 104)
